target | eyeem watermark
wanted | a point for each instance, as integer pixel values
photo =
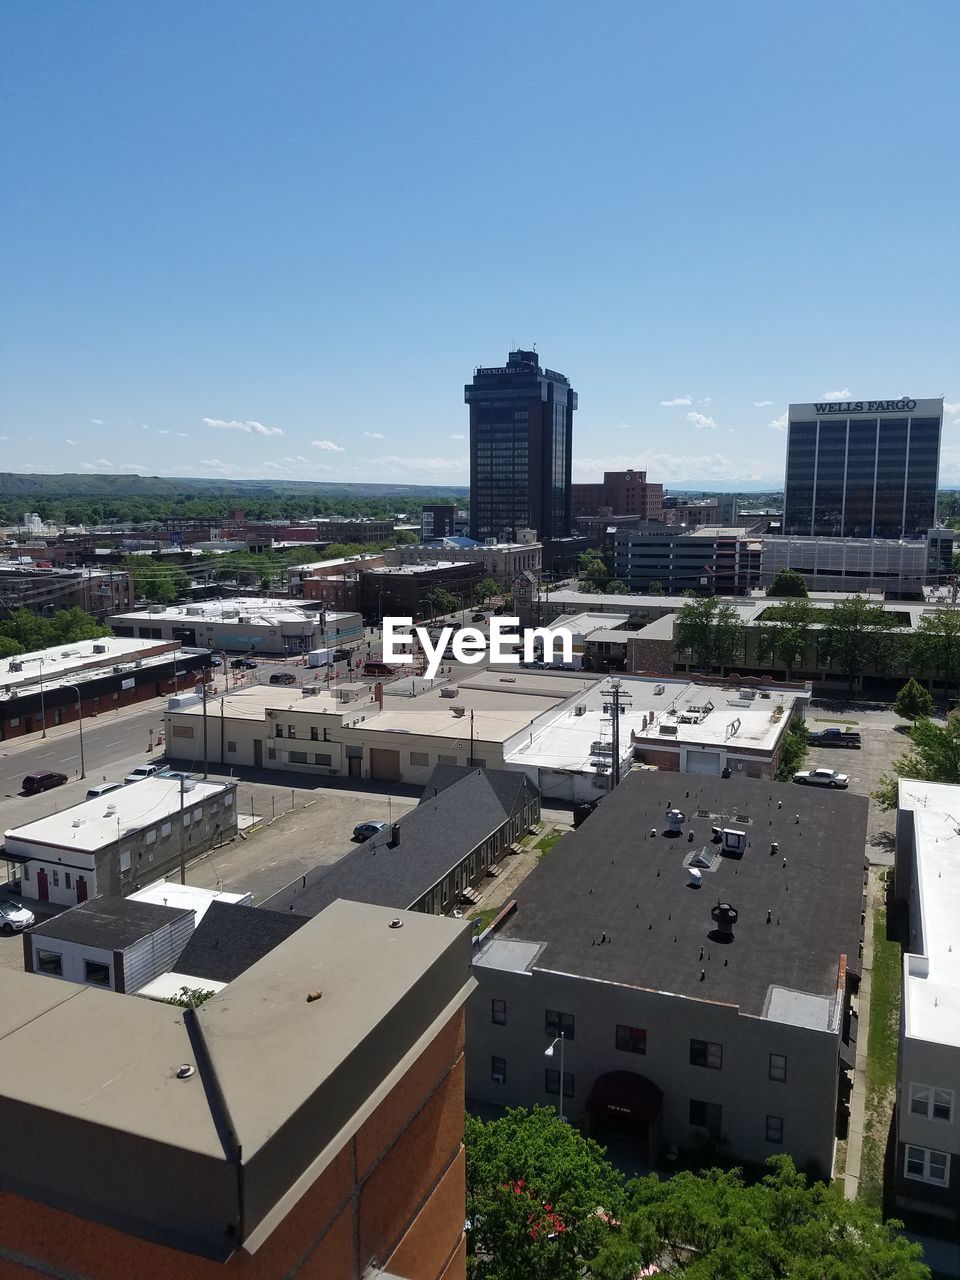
(470, 644)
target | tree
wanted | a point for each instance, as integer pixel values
(534, 1186)
(787, 582)
(615, 588)
(594, 574)
(656, 588)
(933, 757)
(487, 588)
(9, 648)
(913, 701)
(711, 629)
(784, 634)
(711, 1226)
(795, 742)
(936, 645)
(857, 635)
(440, 601)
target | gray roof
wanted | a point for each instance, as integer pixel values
(110, 923)
(508, 784)
(449, 822)
(230, 938)
(613, 877)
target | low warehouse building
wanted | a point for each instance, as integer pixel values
(275, 628)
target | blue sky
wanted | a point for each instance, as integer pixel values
(258, 239)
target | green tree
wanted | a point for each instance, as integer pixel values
(615, 587)
(856, 635)
(787, 582)
(934, 756)
(528, 1173)
(711, 629)
(913, 701)
(441, 601)
(656, 588)
(156, 581)
(487, 588)
(795, 742)
(9, 648)
(711, 1226)
(785, 637)
(594, 574)
(936, 646)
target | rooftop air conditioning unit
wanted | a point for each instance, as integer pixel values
(459, 710)
(100, 647)
(15, 666)
(580, 709)
(668, 728)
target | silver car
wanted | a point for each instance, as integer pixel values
(14, 917)
(822, 778)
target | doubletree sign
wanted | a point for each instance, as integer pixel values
(867, 406)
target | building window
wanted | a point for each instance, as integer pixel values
(498, 1070)
(96, 972)
(556, 1024)
(291, 730)
(298, 757)
(166, 828)
(419, 758)
(498, 1012)
(322, 757)
(631, 1039)
(26, 871)
(50, 962)
(704, 1053)
(706, 1115)
(551, 1082)
(67, 880)
(56, 878)
(927, 1166)
(278, 730)
(150, 837)
(774, 1129)
(271, 753)
(314, 734)
(934, 1104)
(180, 730)
(231, 746)
(228, 799)
(777, 1069)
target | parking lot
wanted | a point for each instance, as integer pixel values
(882, 744)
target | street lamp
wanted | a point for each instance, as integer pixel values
(83, 771)
(43, 710)
(548, 1053)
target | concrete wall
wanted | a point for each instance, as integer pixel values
(807, 1101)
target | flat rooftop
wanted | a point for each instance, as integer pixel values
(170, 893)
(84, 659)
(88, 1074)
(90, 825)
(412, 570)
(612, 877)
(112, 924)
(499, 710)
(257, 610)
(931, 981)
(256, 700)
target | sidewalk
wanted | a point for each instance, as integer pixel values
(858, 1099)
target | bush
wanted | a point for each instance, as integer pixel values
(913, 701)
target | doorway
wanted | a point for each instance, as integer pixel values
(258, 753)
(43, 888)
(354, 766)
(81, 888)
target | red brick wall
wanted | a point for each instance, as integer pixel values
(394, 1193)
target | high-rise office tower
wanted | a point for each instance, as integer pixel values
(862, 468)
(521, 438)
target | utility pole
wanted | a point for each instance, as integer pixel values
(203, 695)
(471, 737)
(183, 859)
(617, 701)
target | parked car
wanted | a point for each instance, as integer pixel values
(283, 677)
(821, 778)
(835, 738)
(340, 655)
(176, 774)
(102, 788)
(142, 771)
(365, 830)
(14, 917)
(216, 662)
(42, 780)
(479, 617)
(377, 669)
(244, 664)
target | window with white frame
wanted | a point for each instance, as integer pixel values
(924, 1165)
(933, 1103)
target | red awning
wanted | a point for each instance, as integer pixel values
(626, 1093)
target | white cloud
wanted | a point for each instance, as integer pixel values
(299, 458)
(247, 425)
(670, 404)
(4, 437)
(144, 426)
(455, 436)
(843, 394)
(184, 435)
(762, 404)
(623, 426)
(701, 421)
(101, 464)
(328, 446)
(97, 422)
(951, 408)
(706, 400)
(274, 466)
(374, 435)
(163, 432)
(779, 424)
(430, 469)
(69, 441)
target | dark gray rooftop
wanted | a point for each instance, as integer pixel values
(434, 837)
(613, 877)
(230, 938)
(113, 923)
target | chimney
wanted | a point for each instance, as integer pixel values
(394, 835)
(378, 693)
(725, 916)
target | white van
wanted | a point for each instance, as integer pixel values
(102, 788)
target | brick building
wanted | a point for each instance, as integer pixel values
(625, 493)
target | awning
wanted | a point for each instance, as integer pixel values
(626, 1093)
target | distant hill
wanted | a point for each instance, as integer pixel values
(69, 485)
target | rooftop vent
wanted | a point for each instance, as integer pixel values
(580, 709)
(696, 878)
(110, 810)
(675, 820)
(705, 859)
(78, 822)
(725, 916)
(733, 841)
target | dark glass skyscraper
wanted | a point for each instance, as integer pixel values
(521, 439)
(862, 468)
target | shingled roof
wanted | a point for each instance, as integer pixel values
(230, 938)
